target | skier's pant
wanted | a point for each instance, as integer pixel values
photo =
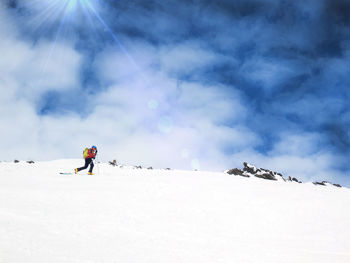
(87, 162)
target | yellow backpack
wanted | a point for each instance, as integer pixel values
(86, 153)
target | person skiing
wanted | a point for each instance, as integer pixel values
(89, 154)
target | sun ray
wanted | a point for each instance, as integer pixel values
(60, 18)
(87, 14)
(46, 15)
(110, 31)
(53, 47)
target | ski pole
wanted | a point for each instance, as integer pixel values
(98, 166)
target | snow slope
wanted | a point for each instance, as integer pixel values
(139, 215)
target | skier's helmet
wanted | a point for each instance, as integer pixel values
(94, 148)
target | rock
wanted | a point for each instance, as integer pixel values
(114, 163)
(293, 179)
(30, 162)
(329, 183)
(167, 169)
(16, 161)
(319, 183)
(264, 173)
(268, 176)
(249, 168)
(150, 168)
(235, 171)
(138, 167)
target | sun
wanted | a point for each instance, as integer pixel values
(73, 5)
(62, 16)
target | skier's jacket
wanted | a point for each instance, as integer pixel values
(88, 153)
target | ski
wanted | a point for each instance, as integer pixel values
(75, 174)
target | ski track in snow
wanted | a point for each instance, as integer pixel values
(140, 215)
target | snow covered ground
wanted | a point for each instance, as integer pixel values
(139, 215)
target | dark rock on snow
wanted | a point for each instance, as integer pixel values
(268, 176)
(260, 173)
(235, 171)
(294, 179)
(114, 163)
(324, 183)
(319, 183)
(249, 168)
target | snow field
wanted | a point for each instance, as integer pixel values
(140, 215)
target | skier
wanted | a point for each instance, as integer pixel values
(89, 154)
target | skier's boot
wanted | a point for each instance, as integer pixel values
(76, 170)
(89, 173)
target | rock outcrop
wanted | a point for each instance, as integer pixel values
(252, 171)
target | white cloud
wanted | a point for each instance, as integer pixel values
(302, 144)
(46, 66)
(26, 72)
(188, 115)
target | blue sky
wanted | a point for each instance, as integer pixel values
(181, 84)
